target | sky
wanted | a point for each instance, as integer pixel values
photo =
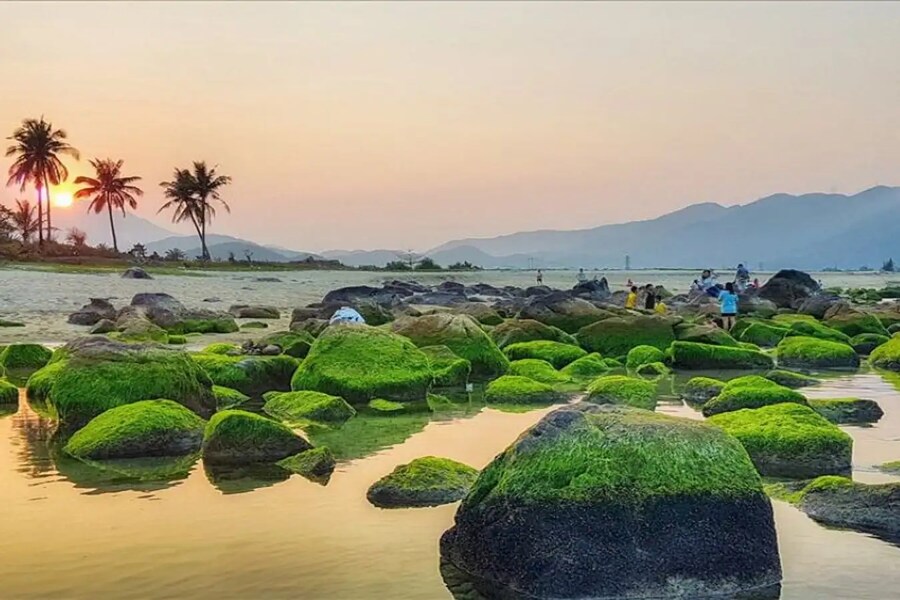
(369, 125)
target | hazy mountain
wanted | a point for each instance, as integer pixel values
(221, 245)
(811, 231)
(130, 229)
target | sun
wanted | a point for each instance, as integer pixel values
(62, 199)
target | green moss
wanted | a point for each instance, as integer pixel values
(250, 375)
(890, 467)
(865, 343)
(557, 354)
(240, 437)
(791, 318)
(538, 370)
(826, 482)
(222, 348)
(5, 323)
(813, 353)
(643, 355)
(762, 334)
(652, 370)
(619, 456)
(614, 363)
(227, 397)
(617, 335)
(368, 432)
(386, 406)
(752, 391)
(292, 343)
(145, 428)
(210, 325)
(449, 369)
(789, 440)
(843, 411)
(816, 330)
(700, 390)
(359, 363)
(688, 355)
(255, 325)
(854, 323)
(298, 407)
(887, 355)
(703, 334)
(9, 393)
(24, 356)
(514, 331)
(587, 367)
(425, 481)
(515, 389)
(789, 379)
(136, 328)
(177, 340)
(620, 389)
(313, 464)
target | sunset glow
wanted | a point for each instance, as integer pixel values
(62, 199)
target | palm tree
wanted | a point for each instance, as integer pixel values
(206, 188)
(24, 220)
(77, 238)
(109, 189)
(180, 196)
(37, 149)
(175, 254)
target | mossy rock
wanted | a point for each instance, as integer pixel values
(788, 318)
(462, 334)
(790, 379)
(316, 464)
(176, 340)
(515, 389)
(538, 370)
(299, 407)
(865, 343)
(840, 502)
(134, 327)
(223, 348)
(892, 467)
(887, 355)
(704, 334)
(24, 357)
(557, 354)
(700, 390)
(814, 353)
(251, 375)
(240, 437)
(648, 493)
(853, 323)
(514, 331)
(359, 363)
(817, 330)
(426, 481)
(843, 411)
(692, 356)
(763, 334)
(254, 325)
(227, 397)
(562, 311)
(9, 393)
(620, 389)
(587, 367)
(140, 429)
(382, 406)
(617, 335)
(789, 440)
(652, 370)
(449, 369)
(217, 324)
(93, 374)
(751, 391)
(292, 343)
(5, 323)
(481, 312)
(643, 355)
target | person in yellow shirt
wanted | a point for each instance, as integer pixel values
(631, 300)
(661, 307)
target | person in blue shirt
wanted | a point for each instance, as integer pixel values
(728, 306)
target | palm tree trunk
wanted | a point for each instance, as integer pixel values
(49, 223)
(203, 229)
(40, 217)
(112, 227)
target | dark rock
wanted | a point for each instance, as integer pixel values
(789, 288)
(819, 304)
(485, 289)
(843, 503)
(597, 289)
(753, 304)
(165, 311)
(561, 310)
(92, 312)
(438, 298)
(538, 290)
(267, 279)
(451, 286)
(357, 293)
(136, 273)
(246, 311)
(213, 299)
(103, 326)
(270, 350)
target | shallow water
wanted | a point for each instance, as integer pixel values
(67, 532)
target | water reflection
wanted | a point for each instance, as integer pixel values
(238, 479)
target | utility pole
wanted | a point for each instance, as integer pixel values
(627, 262)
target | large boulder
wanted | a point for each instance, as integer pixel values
(693, 356)
(751, 391)
(93, 312)
(802, 352)
(94, 374)
(9, 393)
(561, 310)
(360, 363)
(620, 389)
(840, 502)
(843, 411)
(462, 335)
(615, 336)
(854, 322)
(300, 407)
(762, 333)
(24, 357)
(753, 304)
(145, 428)
(815, 329)
(887, 355)
(254, 311)
(518, 390)
(790, 379)
(538, 370)
(132, 325)
(607, 502)
(170, 314)
(136, 273)
(239, 437)
(819, 304)
(364, 293)
(250, 375)
(788, 288)
(588, 367)
(481, 312)
(865, 343)
(596, 289)
(514, 331)
(706, 333)
(556, 353)
(426, 481)
(700, 390)
(789, 440)
(449, 370)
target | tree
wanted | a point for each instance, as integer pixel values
(190, 194)
(397, 265)
(77, 238)
(427, 264)
(37, 148)
(179, 194)
(109, 189)
(24, 220)
(175, 254)
(139, 252)
(7, 224)
(888, 266)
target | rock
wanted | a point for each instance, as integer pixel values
(652, 370)
(763, 333)
(538, 370)
(103, 326)
(93, 312)
(359, 363)
(485, 289)
(212, 299)
(640, 505)
(517, 390)
(840, 502)
(692, 356)
(865, 343)
(615, 336)
(168, 313)
(24, 357)
(751, 391)
(587, 367)
(704, 334)
(292, 343)
(853, 322)
(789, 287)
(819, 304)
(753, 304)
(462, 335)
(481, 312)
(620, 389)
(789, 440)
(5, 323)
(700, 390)
(557, 354)
(245, 311)
(887, 355)
(643, 355)
(453, 287)
(789, 379)
(597, 289)
(9, 393)
(817, 330)
(270, 350)
(514, 331)
(892, 467)
(133, 326)
(843, 411)
(449, 369)
(267, 279)
(94, 374)
(353, 294)
(558, 309)
(315, 464)
(812, 353)
(227, 397)
(298, 407)
(382, 406)
(538, 290)
(426, 481)
(145, 428)
(251, 375)
(314, 327)
(136, 273)
(240, 437)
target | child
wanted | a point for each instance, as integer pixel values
(631, 300)
(650, 298)
(661, 307)
(728, 306)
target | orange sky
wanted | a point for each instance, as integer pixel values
(405, 125)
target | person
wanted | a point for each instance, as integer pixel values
(539, 278)
(728, 306)
(695, 286)
(582, 277)
(345, 314)
(631, 300)
(708, 283)
(742, 277)
(756, 284)
(661, 307)
(629, 283)
(650, 297)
